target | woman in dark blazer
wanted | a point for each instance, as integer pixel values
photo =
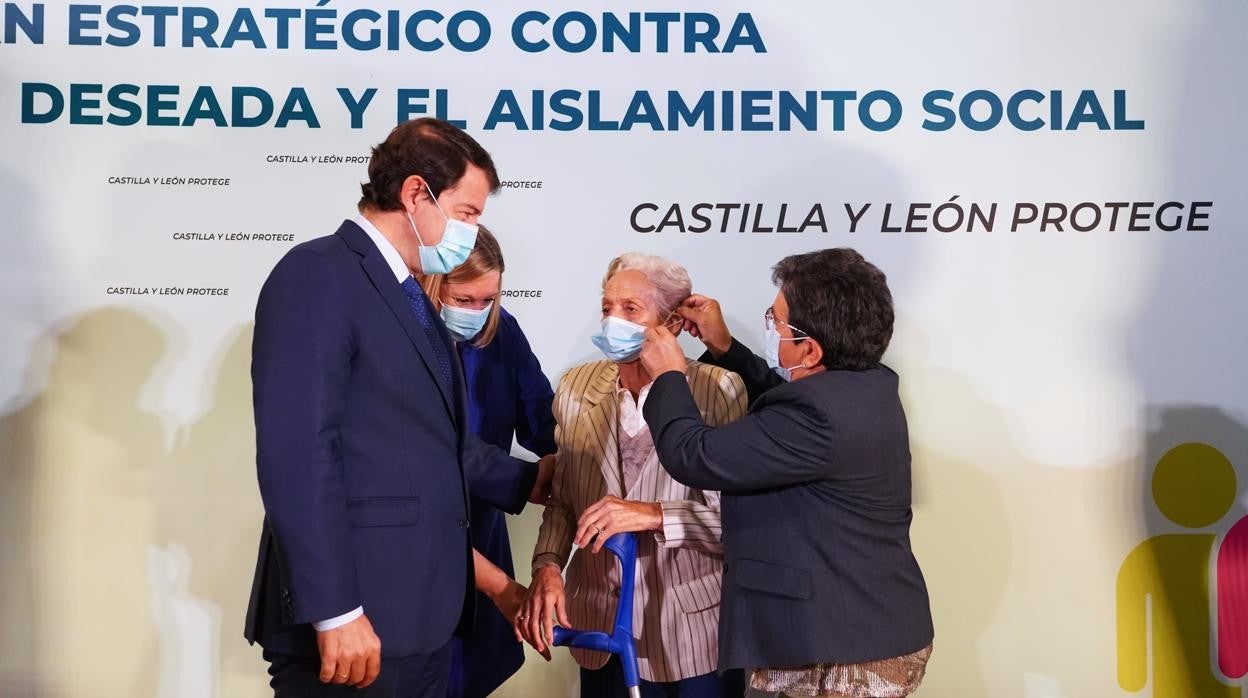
(507, 395)
(822, 594)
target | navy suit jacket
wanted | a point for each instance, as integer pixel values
(365, 461)
(815, 502)
(508, 396)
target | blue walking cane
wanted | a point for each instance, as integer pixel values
(620, 641)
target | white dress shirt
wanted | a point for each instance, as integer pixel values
(388, 251)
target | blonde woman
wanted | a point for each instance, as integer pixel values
(508, 395)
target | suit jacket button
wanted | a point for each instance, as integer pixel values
(463, 523)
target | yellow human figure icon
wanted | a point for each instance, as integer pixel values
(1165, 580)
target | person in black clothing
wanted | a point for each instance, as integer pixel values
(821, 592)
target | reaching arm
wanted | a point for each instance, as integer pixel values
(535, 422)
(696, 523)
(554, 538)
(754, 371)
(506, 593)
(497, 478)
(790, 441)
(705, 319)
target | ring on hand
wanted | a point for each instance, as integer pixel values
(601, 530)
(523, 616)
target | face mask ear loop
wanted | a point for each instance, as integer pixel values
(435, 202)
(414, 230)
(668, 318)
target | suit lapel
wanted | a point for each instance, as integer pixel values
(598, 425)
(392, 293)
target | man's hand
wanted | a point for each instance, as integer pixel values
(350, 654)
(611, 515)
(662, 353)
(545, 473)
(705, 320)
(545, 607)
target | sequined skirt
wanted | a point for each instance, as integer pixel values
(884, 678)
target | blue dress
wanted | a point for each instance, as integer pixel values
(507, 395)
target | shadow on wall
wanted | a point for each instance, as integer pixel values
(209, 516)
(1186, 486)
(127, 564)
(18, 654)
(76, 512)
(24, 241)
(961, 531)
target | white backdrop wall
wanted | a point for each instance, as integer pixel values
(1045, 372)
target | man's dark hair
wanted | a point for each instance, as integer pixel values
(841, 301)
(431, 148)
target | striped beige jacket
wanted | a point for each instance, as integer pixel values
(676, 597)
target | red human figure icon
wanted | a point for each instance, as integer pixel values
(1233, 601)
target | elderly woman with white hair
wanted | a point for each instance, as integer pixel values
(608, 479)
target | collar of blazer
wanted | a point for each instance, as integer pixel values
(606, 377)
(382, 277)
(599, 422)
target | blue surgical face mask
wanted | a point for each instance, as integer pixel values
(465, 323)
(771, 342)
(619, 340)
(458, 239)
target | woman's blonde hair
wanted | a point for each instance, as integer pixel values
(486, 256)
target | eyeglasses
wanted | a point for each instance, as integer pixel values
(770, 322)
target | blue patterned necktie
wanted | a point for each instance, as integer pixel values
(424, 315)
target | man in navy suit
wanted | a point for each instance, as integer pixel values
(363, 451)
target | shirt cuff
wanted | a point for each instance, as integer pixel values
(678, 523)
(339, 621)
(671, 533)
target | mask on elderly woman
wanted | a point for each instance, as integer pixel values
(771, 343)
(619, 340)
(464, 323)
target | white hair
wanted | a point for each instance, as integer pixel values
(670, 281)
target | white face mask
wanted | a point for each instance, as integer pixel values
(619, 340)
(464, 323)
(771, 342)
(458, 239)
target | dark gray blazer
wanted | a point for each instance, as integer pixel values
(816, 513)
